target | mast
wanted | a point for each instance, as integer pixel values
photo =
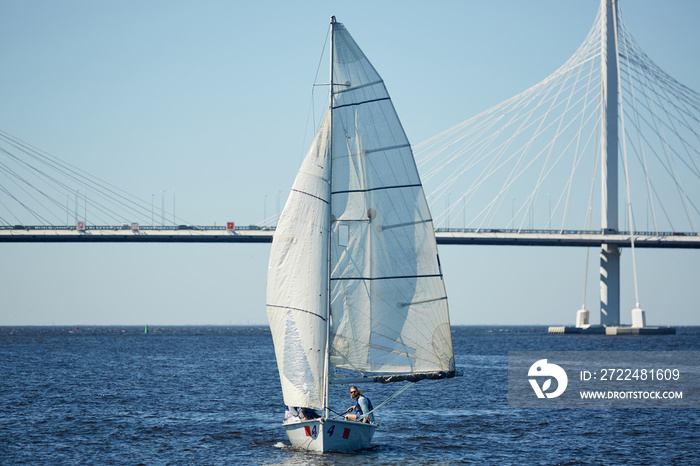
(326, 368)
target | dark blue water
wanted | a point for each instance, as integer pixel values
(210, 395)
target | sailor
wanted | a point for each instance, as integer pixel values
(362, 406)
(290, 412)
(307, 414)
(304, 414)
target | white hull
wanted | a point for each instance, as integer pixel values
(330, 435)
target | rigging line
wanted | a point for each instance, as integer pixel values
(494, 161)
(666, 85)
(525, 93)
(579, 151)
(542, 175)
(687, 203)
(690, 150)
(493, 166)
(653, 123)
(659, 73)
(546, 173)
(19, 177)
(97, 189)
(589, 219)
(68, 189)
(670, 160)
(35, 214)
(528, 146)
(513, 101)
(559, 131)
(323, 53)
(74, 173)
(671, 125)
(470, 161)
(9, 211)
(585, 50)
(13, 180)
(312, 109)
(641, 145)
(658, 197)
(482, 127)
(403, 389)
(526, 149)
(51, 180)
(664, 94)
(61, 185)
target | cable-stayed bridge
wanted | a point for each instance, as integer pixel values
(602, 153)
(256, 234)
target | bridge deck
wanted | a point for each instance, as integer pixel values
(187, 234)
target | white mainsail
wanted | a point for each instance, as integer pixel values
(388, 307)
(388, 301)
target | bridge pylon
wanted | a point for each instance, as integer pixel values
(610, 254)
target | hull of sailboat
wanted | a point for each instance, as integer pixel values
(330, 435)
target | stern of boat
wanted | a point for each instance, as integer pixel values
(330, 435)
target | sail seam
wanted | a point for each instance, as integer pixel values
(309, 194)
(361, 103)
(377, 189)
(296, 309)
(388, 278)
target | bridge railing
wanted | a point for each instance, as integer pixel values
(127, 226)
(562, 232)
(509, 231)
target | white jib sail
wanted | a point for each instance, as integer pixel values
(388, 301)
(297, 280)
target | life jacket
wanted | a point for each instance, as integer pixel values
(358, 408)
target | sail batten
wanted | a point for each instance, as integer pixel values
(337, 107)
(296, 309)
(398, 277)
(379, 188)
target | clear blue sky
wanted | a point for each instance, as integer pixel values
(210, 99)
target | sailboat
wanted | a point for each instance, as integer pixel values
(355, 291)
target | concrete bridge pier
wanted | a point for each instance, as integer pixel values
(610, 285)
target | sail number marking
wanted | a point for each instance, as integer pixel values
(311, 431)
